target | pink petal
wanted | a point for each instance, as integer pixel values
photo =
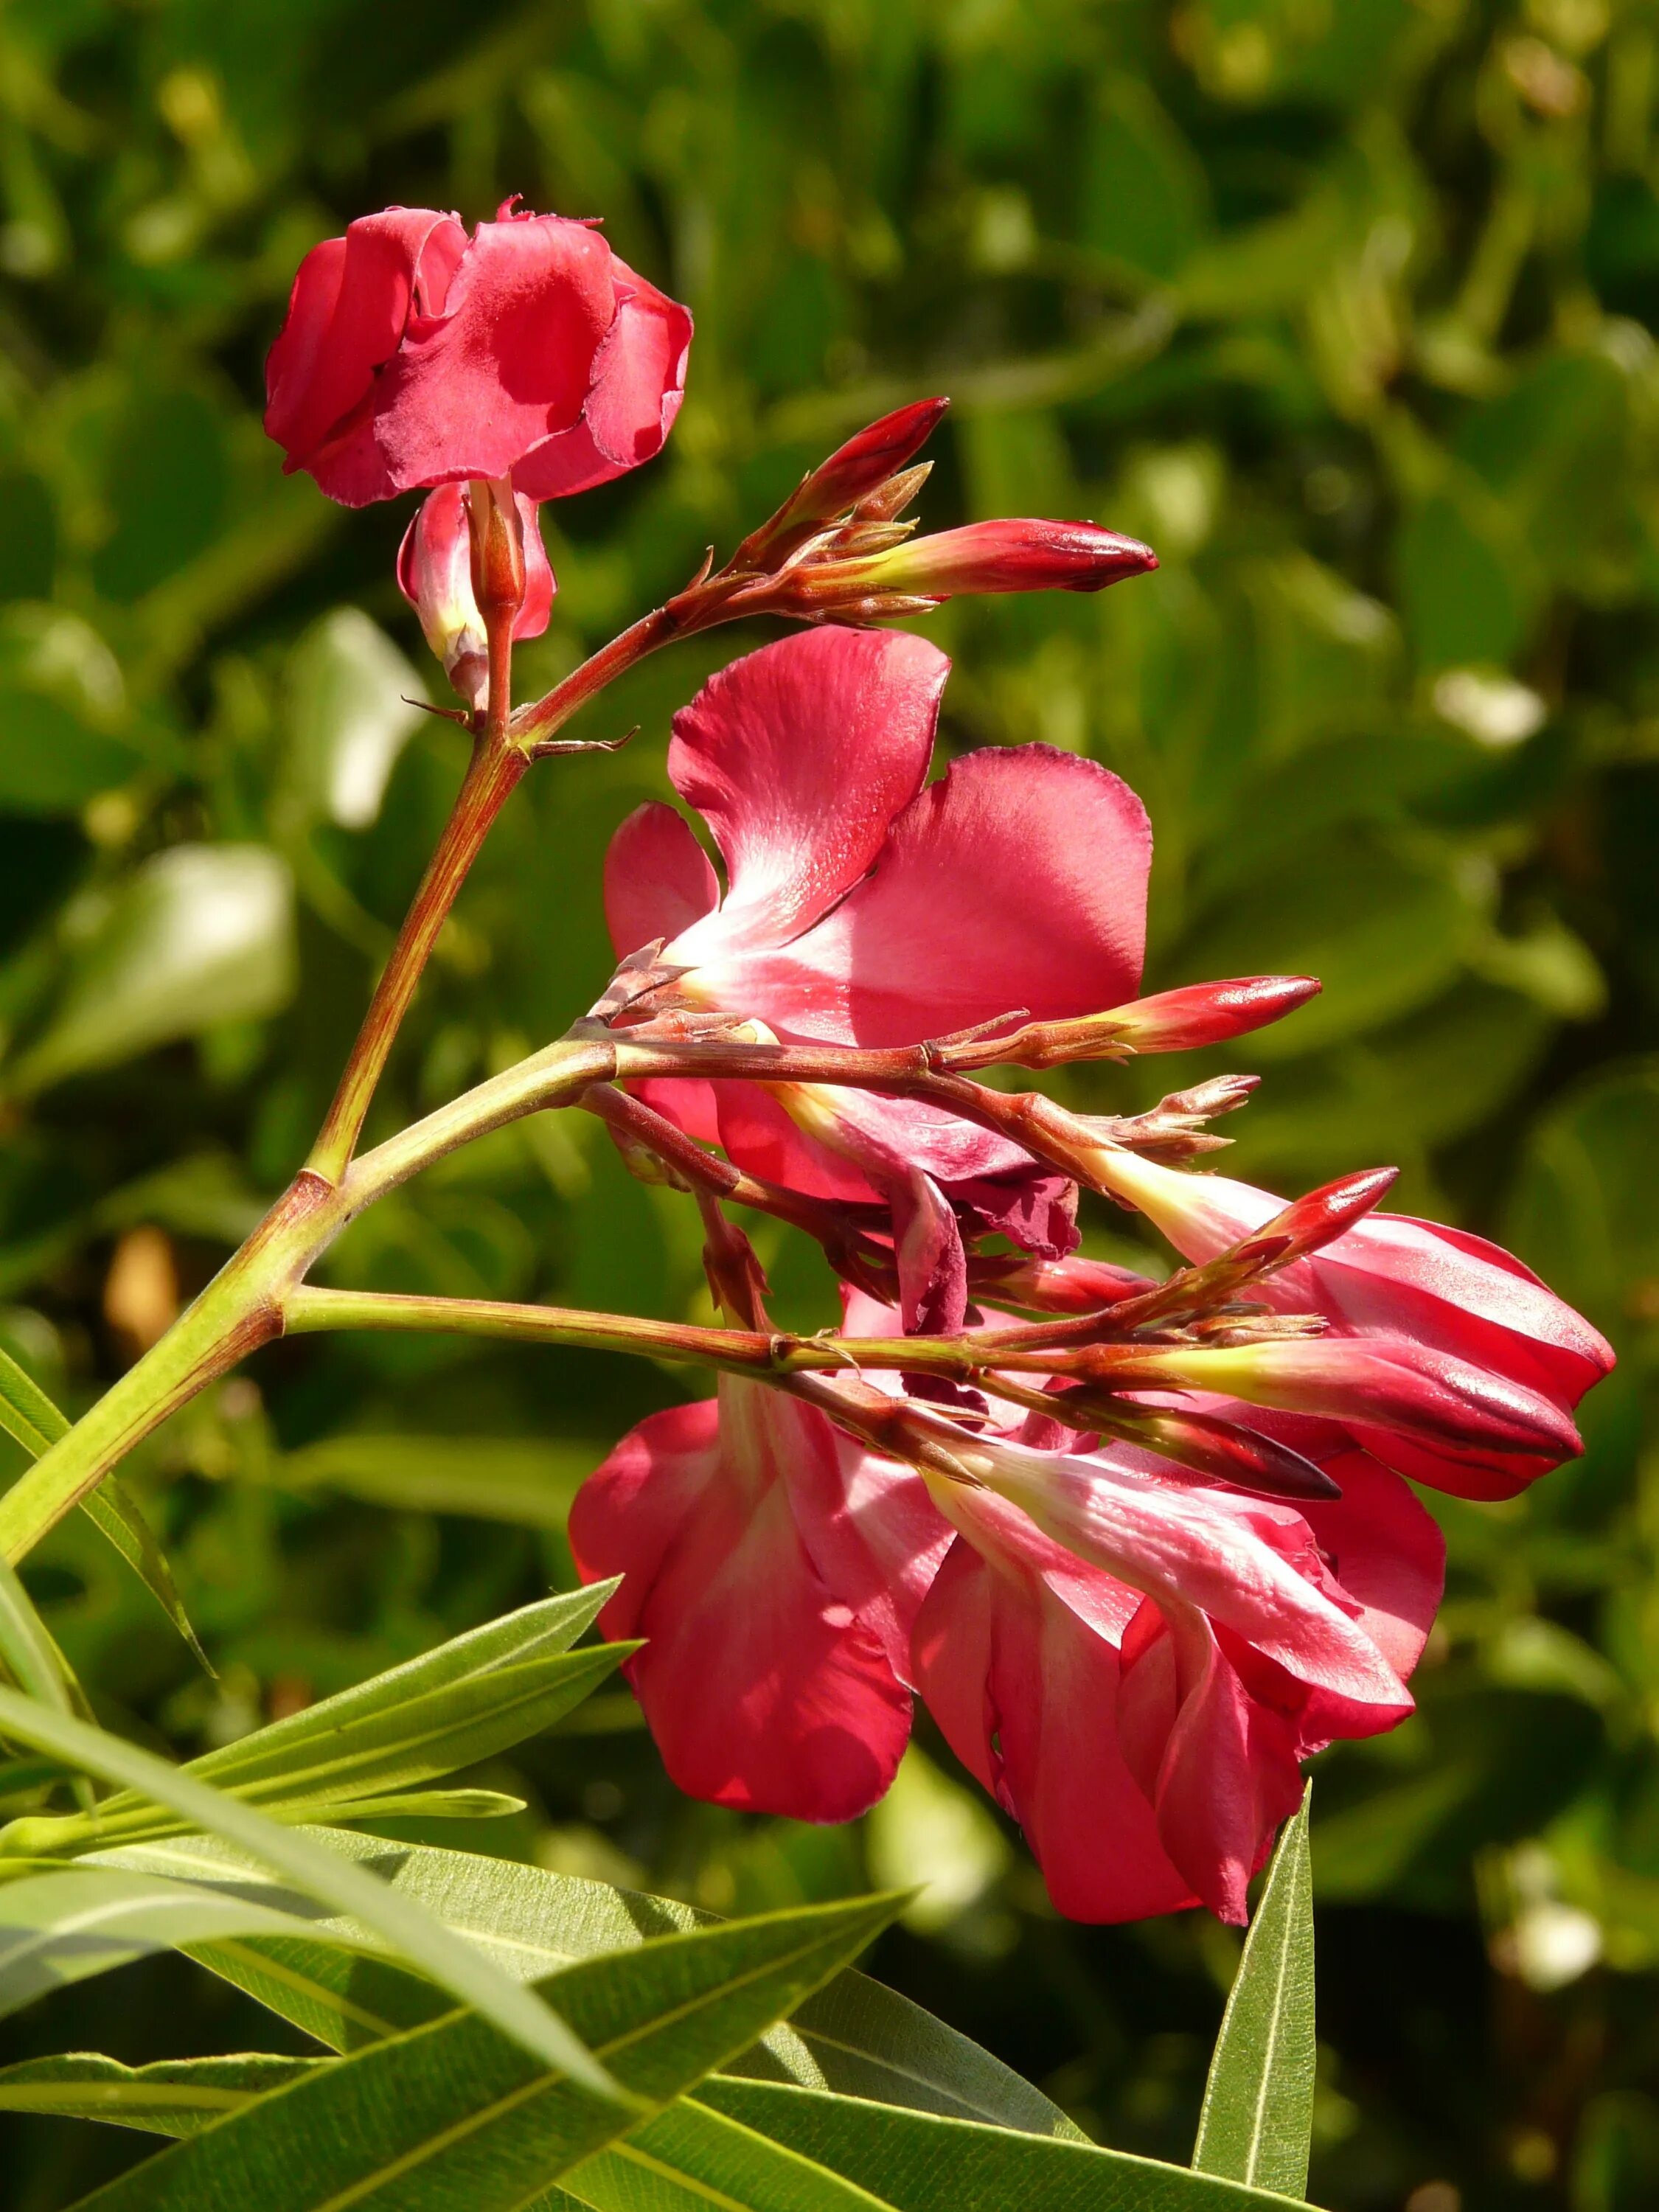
(351, 302)
(658, 879)
(1024, 1691)
(798, 756)
(763, 1690)
(1251, 1565)
(508, 362)
(1389, 1556)
(1019, 881)
(1218, 1766)
(639, 381)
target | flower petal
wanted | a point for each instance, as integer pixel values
(1024, 1690)
(351, 302)
(508, 362)
(1218, 1766)
(764, 1690)
(1018, 881)
(658, 879)
(639, 381)
(798, 756)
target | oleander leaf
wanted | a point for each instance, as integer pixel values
(67, 1924)
(1257, 2118)
(172, 2097)
(452, 1962)
(916, 2161)
(854, 2036)
(463, 1702)
(456, 2112)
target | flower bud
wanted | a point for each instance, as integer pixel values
(1386, 1383)
(435, 575)
(1209, 1013)
(1012, 556)
(860, 471)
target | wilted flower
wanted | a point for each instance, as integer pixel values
(413, 355)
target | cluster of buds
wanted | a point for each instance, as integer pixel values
(842, 548)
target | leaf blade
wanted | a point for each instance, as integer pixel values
(455, 2112)
(449, 1959)
(1257, 2118)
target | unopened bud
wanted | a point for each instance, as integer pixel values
(1391, 1383)
(858, 471)
(1072, 1285)
(1209, 1013)
(1008, 557)
(435, 575)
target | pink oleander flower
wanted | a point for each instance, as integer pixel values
(413, 355)
(774, 1568)
(434, 574)
(864, 906)
(1134, 1662)
(1392, 1277)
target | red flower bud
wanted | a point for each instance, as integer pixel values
(1210, 1013)
(860, 471)
(1011, 556)
(435, 575)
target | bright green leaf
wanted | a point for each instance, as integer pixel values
(1257, 2120)
(173, 2097)
(455, 2112)
(324, 1874)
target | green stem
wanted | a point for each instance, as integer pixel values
(245, 1303)
(491, 776)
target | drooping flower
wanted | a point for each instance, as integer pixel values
(1138, 1680)
(434, 574)
(413, 355)
(1392, 1276)
(774, 1568)
(866, 906)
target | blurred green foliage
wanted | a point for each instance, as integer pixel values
(1344, 305)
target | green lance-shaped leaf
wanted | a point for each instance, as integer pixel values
(456, 2113)
(900, 2162)
(172, 2097)
(67, 1924)
(854, 2036)
(28, 1414)
(449, 1959)
(1257, 2120)
(464, 1702)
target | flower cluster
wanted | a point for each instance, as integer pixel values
(1150, 1557)
(1142, 1555)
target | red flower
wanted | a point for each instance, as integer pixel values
(434, 574)
(863, 905)
(413, 355)
(1391, 1277)
(774, 1569)
(1138, 1680)
(1135, 1663)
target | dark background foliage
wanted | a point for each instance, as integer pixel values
(1342, 303)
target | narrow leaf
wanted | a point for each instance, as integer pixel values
(28, 1414)
(854, 2036)
(1257, 2119)
(456, 2113)
(115, 1513)
(448, 1958)
(921, 2162)
(464, 1702)
(31, 1657)
(26, 1411)
(173, 2097)
(71, 1922)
